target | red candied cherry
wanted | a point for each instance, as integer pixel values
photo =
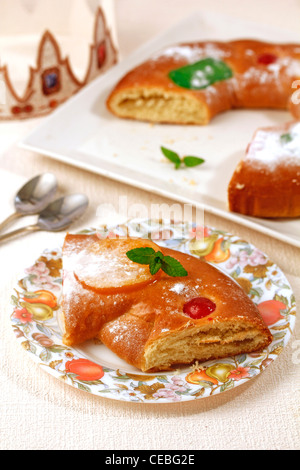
(267, 59)
(199, 307)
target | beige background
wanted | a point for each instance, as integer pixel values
(38, 411)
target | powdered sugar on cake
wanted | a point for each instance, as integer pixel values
(192, 53)
(271, 74)
(271, 147)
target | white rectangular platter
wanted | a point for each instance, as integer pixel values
(84, 134)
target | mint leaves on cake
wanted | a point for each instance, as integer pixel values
(156, 261)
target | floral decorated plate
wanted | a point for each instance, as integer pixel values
(35, 318)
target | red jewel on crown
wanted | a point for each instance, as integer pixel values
(267, 59)
(199, 307)
(101, 53)
(22, 109)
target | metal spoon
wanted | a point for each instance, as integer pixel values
(59, 215)
(33, 197)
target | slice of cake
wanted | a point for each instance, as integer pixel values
(266, 183)
(154, 321)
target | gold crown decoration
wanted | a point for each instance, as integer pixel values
(52, 81)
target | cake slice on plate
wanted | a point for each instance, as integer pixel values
(154, 321)
(266, 183)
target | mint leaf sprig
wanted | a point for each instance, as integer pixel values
(188, 160)
(156, 261)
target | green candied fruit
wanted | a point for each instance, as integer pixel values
(201, 74)
(286, 138)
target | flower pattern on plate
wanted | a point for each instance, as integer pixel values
(35, 317)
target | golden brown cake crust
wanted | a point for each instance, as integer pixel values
(130, 323)
(268, 186)
(263, 74)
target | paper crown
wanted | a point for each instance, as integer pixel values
(52, 81)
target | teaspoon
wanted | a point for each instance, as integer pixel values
(33, 197)
(58, 215)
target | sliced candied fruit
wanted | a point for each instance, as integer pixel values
(104, 266)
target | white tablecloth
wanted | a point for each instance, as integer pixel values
(40, 412)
